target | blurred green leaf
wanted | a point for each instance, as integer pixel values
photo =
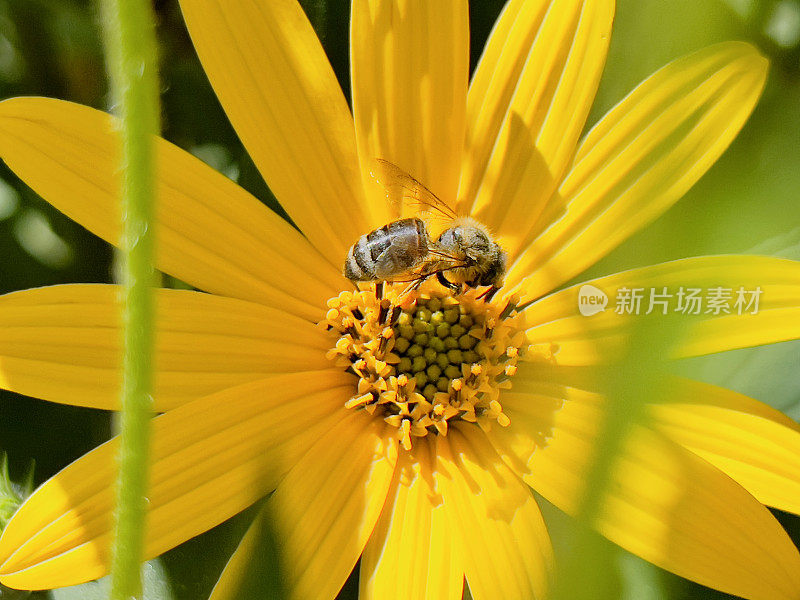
(9, 594)
(768, 374)
(640, 579)
(156, 586)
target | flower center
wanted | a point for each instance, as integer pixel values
(425, 363)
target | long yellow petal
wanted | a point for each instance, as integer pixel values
(326, 507)
(557, 327)
(492, 88)
(499, 532)
(663, 503)
(280, 93)
(760, 452)
(211, 458)
(64, 344)
(410, 65)
(642, 157)
(528, 103)
(211, 233)
(751, 442)
(411, 554)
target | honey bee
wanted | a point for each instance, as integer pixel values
(463, 255)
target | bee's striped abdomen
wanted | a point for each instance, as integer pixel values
(359, 265)
(387, 251)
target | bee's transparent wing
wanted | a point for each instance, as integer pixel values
(402, 190)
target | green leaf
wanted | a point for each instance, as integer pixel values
(640, 579)
(156, 586)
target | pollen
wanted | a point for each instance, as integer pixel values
(425, 362)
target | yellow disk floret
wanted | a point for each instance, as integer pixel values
(424, 363)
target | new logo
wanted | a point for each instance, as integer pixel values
(591, 300)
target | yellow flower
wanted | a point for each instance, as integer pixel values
(280, 379)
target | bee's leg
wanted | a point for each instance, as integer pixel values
(379, 290)
(453, 287)
(407, 293)
(416, 284)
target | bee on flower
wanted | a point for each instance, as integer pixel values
(406, 430)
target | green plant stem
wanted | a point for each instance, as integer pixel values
(131, 54)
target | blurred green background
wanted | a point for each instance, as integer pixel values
(748, 202)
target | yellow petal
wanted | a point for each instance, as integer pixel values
(761, 452)
(556, 324)
(751, 442)
(410, 555)
(211, 458)
(280, 93)
(703, 394)
(640, 158)
(63, 344)
(527, 106)
(326, 507)
(211, 233)
(499, 533)
(410, 64)
(663, 503)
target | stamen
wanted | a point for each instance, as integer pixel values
(359, 367)
(510, 307)
(384, 310)
(396, 312)
(349, 327)
(358, 400)
(425, 359)
(405, 438)
(386, 335)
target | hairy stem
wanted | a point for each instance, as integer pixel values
(131, 56)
